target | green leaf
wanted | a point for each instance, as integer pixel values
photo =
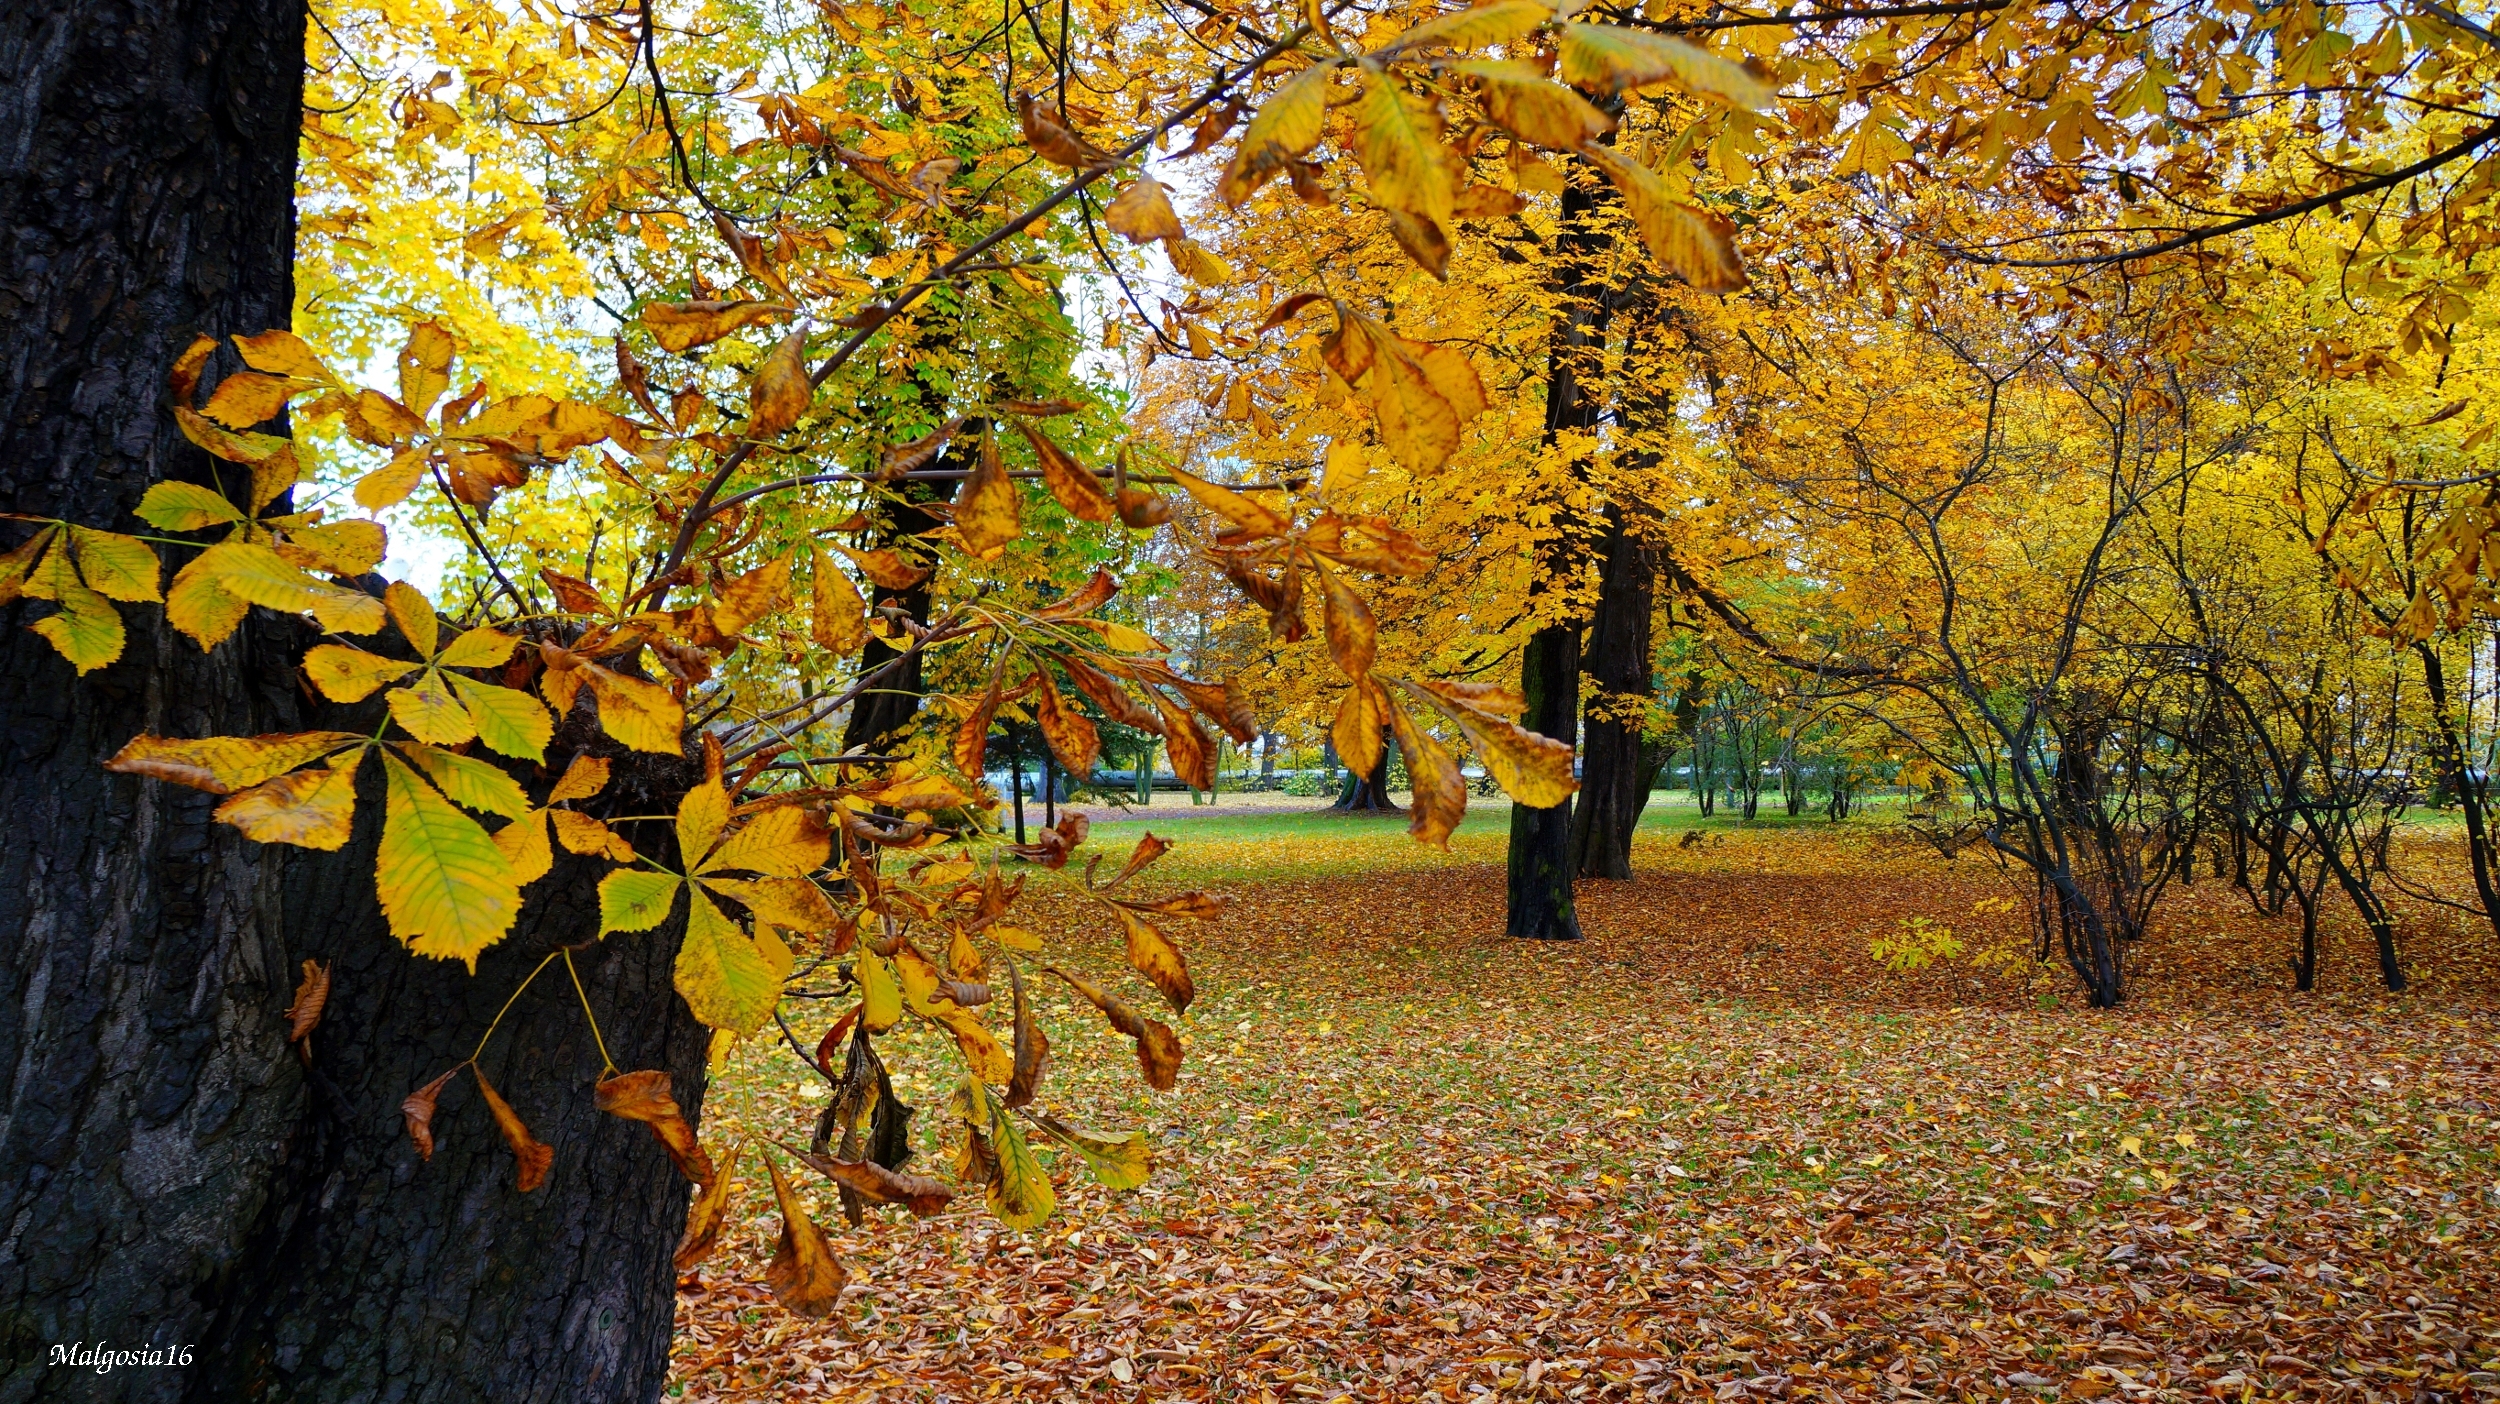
(1118, 1162)
(1021, 1196)
(115, 566)
(446, 890)
(87, 631)
(728, 980)
(470, 783)
(186, 507)
(509, 722)
(635, 899)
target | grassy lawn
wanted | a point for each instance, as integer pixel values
(1712, 1149)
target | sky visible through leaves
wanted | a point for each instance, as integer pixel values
(1715, 1149)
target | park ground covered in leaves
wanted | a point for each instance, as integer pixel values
(1713, 1149)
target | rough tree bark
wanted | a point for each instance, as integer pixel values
(147, 160)
(373, 1273)
(173, 1174)
(1617, 769)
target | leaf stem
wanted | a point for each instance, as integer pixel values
(607, 1064)
(507, 1006)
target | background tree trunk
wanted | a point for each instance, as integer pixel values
(1616, 769)
(1368, 794)
(1539, 886)
(173, 1174)
(891, 705)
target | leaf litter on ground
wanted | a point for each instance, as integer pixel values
(1714, 1148)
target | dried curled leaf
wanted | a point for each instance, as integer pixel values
(1158, 1049)
(1051, 138)
(418, 1109)
(804, 1274)
(1075, 486)
(683, 326)
(704, 1220)
(530, 1156)
(878, 1185)
(646, 1097)
(310, 995)
(1032, 1047)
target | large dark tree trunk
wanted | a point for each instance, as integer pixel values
(374, 1274)
(147, 166)
(173, 1174)
(1617, 769)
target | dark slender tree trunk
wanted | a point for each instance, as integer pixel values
(895, 700)
(1614, 784)
(174, 1175)
(1540, 868)
(2472, 791)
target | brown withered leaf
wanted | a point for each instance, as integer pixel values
(780, 391)
(1210, 130)
(1111, 697)
(1053, 845)
(1423, 239)
(683, 326)
(646, 1097)
(878, 1185)
(1032, 1047)
(530, 1155)
(1197, 906)
(1158, 1048)
(575, 594)
(418, 1108)
(1092, 595)
(833, 1039)
(804, 1274)
(1440, 792)
(886, 568)
(1052, 139)
(310, 995)
(704, 1220)
(637, 382)
(1353, 638)
(1192, 750)
(1287, 310)
(1142, 509)
(1140, 858)
(1072, 738)
(1040, 409)
(988, 512)
(1156, 956)
(903, 458)
(1072, 483)
(972, 735)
